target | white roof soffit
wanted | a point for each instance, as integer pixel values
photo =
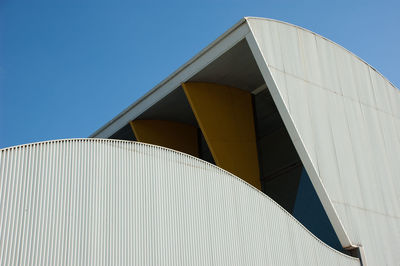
(218, 47)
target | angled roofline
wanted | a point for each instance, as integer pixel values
(103, 132)
(100, 132)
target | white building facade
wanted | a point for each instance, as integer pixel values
(297, 143)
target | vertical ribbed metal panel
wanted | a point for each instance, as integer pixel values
(108, 202)
(344, 119)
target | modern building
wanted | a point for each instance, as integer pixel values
(272, 146)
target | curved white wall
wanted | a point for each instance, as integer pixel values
(344, 119)
(108, 202)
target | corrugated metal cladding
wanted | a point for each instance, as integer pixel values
(108, 202)
(347, 117)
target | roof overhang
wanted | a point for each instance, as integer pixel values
(189, 71)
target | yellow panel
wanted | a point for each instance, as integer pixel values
(225, 116)
(177, 136)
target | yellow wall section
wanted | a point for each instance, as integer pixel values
(225, 116)
(177, 136)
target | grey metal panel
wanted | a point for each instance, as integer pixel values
(394, 103)
(109, 202)
(380, 91)
(310, 57)
(292, 58)
(343, 117)
(362, 78)
(327, 63)
(345, 73)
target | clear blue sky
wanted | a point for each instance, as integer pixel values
(68, 68)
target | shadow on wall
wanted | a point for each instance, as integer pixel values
(309, 211)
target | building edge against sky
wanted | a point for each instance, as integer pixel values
(341, 114)
(295, 115)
